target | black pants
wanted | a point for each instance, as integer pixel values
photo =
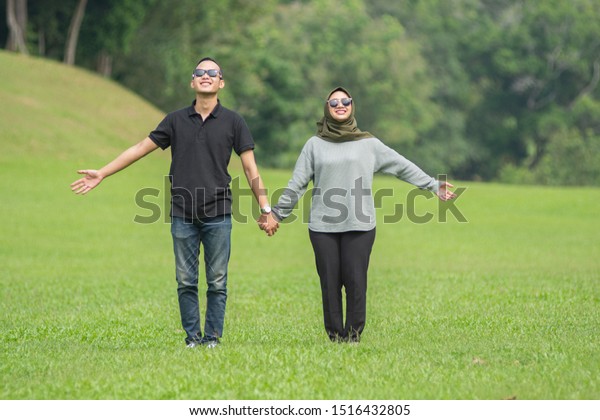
(342, 261)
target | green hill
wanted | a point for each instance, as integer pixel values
(62, 112)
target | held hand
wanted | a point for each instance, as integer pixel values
(263, 223)
(444, 193)
(89, 182)
(268, 223)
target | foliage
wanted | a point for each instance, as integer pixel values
(478, 89)
(49, 21)
(295, 64)
(533, 67)
(159, 66)
(110, 28)
(510, 74)
(107, 27)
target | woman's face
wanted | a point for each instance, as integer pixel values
(339, 111)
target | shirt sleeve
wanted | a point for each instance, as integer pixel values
(163, 133)
(388, 161)
(302, 175)
(243, 137)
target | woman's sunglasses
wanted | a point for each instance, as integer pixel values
(335, 102)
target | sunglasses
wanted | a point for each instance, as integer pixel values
(335, 102)
(211, 72)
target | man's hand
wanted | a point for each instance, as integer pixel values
(90, 181)
(268, 223)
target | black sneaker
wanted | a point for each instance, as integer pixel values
(193, 342)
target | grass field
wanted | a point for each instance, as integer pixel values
(505, 305)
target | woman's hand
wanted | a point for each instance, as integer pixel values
(444, 193)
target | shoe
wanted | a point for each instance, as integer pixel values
(210, 342)
(337, 338)
(192, 342)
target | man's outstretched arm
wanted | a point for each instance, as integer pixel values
(94, 177)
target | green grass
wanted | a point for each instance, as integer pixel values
(505, 305)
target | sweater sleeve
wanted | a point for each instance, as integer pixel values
(388, 161)
(302, 175)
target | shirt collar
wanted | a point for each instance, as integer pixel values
(215, 112)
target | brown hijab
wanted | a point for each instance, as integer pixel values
(332, 130)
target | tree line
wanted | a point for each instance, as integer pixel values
(503, 90)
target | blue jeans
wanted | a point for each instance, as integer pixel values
(214, 234)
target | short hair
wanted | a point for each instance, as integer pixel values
(214, 61)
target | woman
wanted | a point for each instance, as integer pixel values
(340, 161)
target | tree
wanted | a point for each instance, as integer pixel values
(109, 31)
(48, 21)
(480, 89)
(509, 77)
(73, 34)
(296, 54)
(16, 19)
(533, 62)
(159, 66)
(436, 26)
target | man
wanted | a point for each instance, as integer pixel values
(202, 137)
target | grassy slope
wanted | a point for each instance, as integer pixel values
(504, 305)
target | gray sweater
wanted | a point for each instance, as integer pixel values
(342, 176)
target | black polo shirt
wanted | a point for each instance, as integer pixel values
(200, 152)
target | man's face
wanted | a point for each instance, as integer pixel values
(339, 112)
(206, 83)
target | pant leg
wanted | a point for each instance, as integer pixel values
(355, 254)
(216, 243)
(186, 245)
(327, 257)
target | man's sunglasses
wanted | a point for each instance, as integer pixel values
(335, 102)
(211, 72)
